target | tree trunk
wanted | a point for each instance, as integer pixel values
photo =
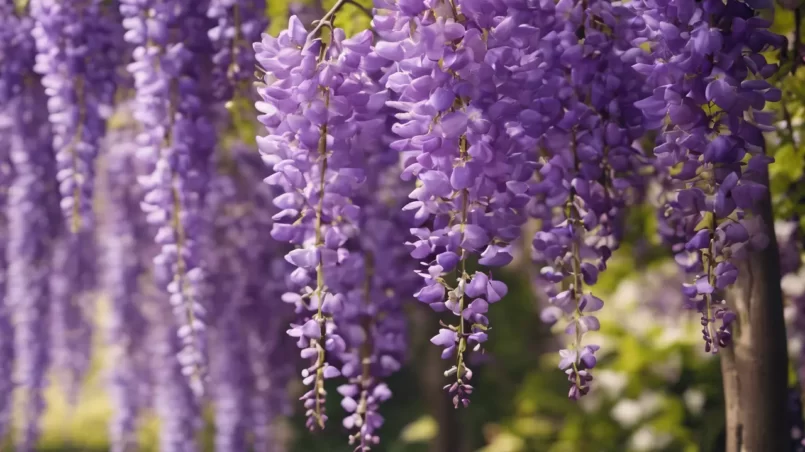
(431, 379)
(755, 366)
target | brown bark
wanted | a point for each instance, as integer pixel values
(755, 366)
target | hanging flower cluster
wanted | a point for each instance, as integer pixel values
(320, 110)
(710, 141)
(176, 143)
(451, 73)
(587, 167)
(128, 247)
(397, 164)
(239, 24)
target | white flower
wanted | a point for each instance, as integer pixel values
(612, 382)
(694, 400)
(647, 439)
(627, 412)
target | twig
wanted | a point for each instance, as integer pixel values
(327, 20)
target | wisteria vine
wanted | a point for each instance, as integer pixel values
(399, 163)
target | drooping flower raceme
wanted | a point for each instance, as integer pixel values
(587, 169)
(239, 24)
(711, 139)
(6, 326)
(30, 227)
(264, 316)
(173, 401)
(470, 173)
(247, 273)
(10, 73)
(31, 217)
(373, 323)
(128, 249)
(314, 102)
(76, 59)
(228, 272)
(176, 144)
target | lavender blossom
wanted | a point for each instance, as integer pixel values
(251, 325)
(31, 227)
(175, 145)
(373, 322)
(174, 401)
(710, 124)
(6, 326)
(239, 23)
(77, 62)
(314, 102)
(128, 246)
(455, 141)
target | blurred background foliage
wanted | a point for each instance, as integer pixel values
(656, 389)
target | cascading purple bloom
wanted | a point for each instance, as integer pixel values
(174, 401)
(234, 250)
(77, 62)
(587, 168)
(128, 246)
(229, 375)
(12, 61)
(314, 102)
(373, 322)
(271, 363)
(232, 382)
(239, 24)
(250, 360)
(6, 326)
(30, 216)
(450, 69)
(15, 55)
(176, 144)
(72, 309)
(29, 251)
(711, 124)
(263, 316)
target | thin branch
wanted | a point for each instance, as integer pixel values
(327, 20)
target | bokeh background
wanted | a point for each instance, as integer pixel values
(655, 390)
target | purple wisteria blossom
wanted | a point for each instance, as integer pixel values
(711, 142)
(247, 380)
(175, 145)
(315, 100)
(588, 169)
(6, 325)
(447, 79)
(239, 23)
(173, 399)
(32, 218)
(373, 324)
(76, 58)
(128, 249)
